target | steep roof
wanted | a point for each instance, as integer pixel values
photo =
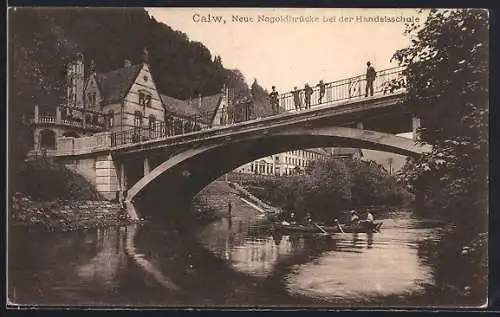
(179, 107)
(115, 85)
(209, 105)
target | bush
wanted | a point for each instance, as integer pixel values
(45, 180)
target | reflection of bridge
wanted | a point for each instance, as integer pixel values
(175, 167)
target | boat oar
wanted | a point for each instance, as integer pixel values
(339, 226)
(320, 228)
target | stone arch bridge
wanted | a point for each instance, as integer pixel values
(173, 169)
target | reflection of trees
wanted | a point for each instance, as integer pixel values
(453, 271)
(109, 261)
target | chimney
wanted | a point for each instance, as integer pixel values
(127, 63)
(92, 67)
(145, 55)
(199, 101)
(80, 80)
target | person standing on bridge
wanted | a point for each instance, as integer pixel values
(308, 91)
(273, 96)
(322, 91)
(370, 77)
(229, 208)
(296, 98)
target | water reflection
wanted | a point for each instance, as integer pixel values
(379, 266)
(220, 263)
(148, 268)
(109, 260)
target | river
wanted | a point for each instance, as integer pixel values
(223, 263)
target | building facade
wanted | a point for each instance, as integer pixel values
(286, 163)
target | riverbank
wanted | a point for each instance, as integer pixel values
(212, 202)
(66, 215)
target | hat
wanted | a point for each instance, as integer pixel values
(273, 87)
(295, 87)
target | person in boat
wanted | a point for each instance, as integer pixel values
(354, 218)
(369, 217)
(293, 221)
(308, 218)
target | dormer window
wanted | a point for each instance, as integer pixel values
(144, 99)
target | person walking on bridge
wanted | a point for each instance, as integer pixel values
(296, 99)
(370, 77)
(322, 91)
(273, 96)
(308, 91)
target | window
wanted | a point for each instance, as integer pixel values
(47, 139)
(91, 99)
(144, 99)
(152, 123)
(137, 119)
(111, 118)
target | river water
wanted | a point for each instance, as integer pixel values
(234, 262)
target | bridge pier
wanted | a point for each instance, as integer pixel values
(106, 178)
(123, 178)
(147, 167)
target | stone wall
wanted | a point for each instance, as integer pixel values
(84, 167)
(101, 172)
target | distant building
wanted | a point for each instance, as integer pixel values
(124, 100)
(342, 152)
(286, 163)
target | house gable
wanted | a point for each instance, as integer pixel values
(141, 86)
(92, 94)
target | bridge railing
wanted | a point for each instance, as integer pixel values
(387, 81)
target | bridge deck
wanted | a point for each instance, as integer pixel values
(334, 109)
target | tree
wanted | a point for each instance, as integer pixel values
(261, 100)
(447, 74)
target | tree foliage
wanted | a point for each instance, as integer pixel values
(447, 74)
(330, 186)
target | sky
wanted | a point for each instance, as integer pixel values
(337, 45)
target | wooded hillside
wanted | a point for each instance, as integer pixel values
(44, 40)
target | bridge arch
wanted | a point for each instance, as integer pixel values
(191, 170)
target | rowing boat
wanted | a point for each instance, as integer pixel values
(361, 228)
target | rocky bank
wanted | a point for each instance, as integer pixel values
(64, 215)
